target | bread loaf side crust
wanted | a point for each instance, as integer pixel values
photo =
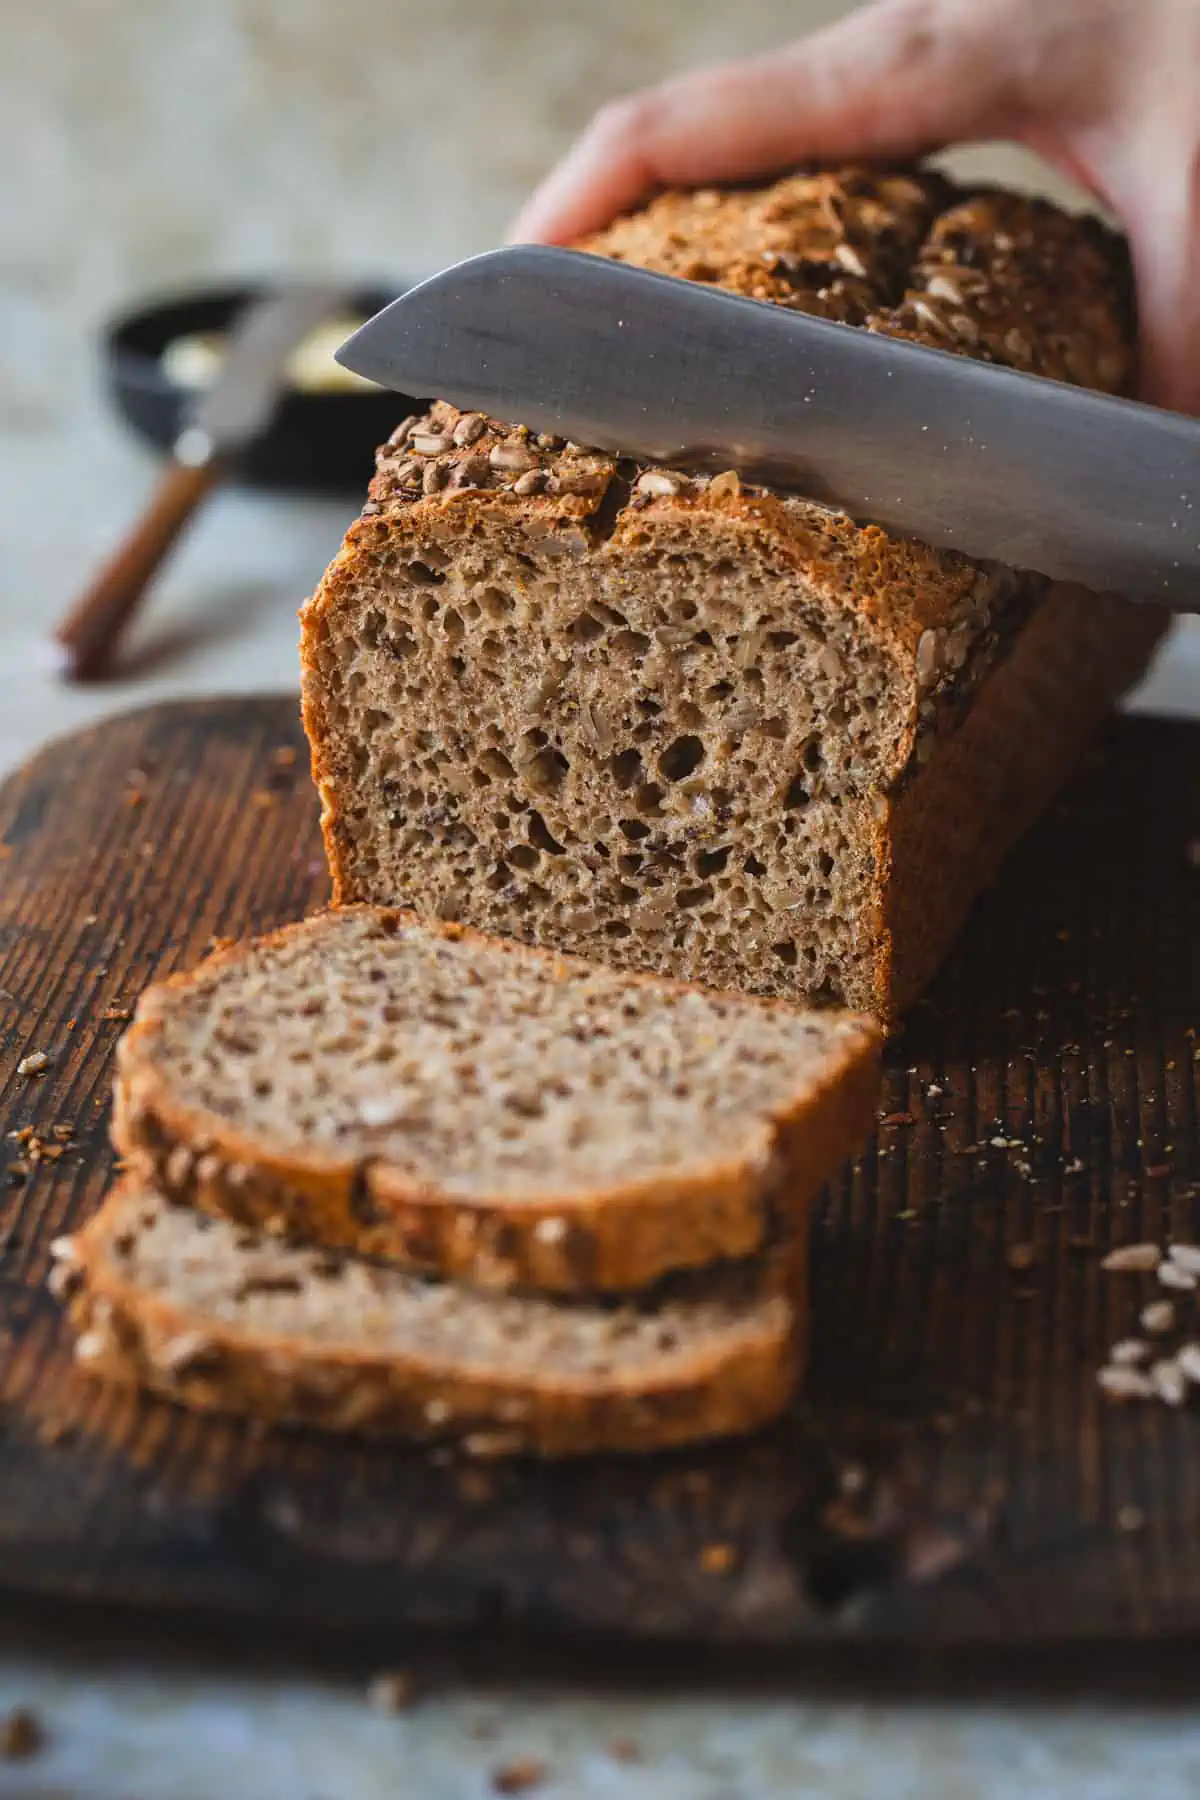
(210, 1365)
(947, 832)
(617, 1239)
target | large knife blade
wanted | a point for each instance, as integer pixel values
(961, 454)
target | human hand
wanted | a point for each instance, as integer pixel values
(1108, 91)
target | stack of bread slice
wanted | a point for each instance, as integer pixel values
(391, 1176)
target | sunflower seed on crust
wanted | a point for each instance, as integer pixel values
(658, 484)
(1125, 1384)
(512, 459)
(1170, 1383)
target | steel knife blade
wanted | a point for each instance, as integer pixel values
(961, 454)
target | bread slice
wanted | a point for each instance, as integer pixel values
(201, 1311)
(476, 1108)
(693, 726)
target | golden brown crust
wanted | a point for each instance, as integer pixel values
(1012, 280)
(1000, 276)
(617, 1239)
(128, 1332)
(836, 242)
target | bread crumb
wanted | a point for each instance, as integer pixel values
(21, 1734)
(1021, 1256)
(392, 1691)
(718, 1559)
(518, 1776)
(36, 1063)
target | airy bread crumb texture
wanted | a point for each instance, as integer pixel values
(470, 1105)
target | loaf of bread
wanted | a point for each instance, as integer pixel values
(476, 1108)
(220, 1319)
(690, 726)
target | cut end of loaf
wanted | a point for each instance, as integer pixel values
(670, 746)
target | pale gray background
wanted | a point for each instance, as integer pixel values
(148, 143)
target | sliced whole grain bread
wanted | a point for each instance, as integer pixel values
(692, 725)
(475, 1108)
(220, 1319)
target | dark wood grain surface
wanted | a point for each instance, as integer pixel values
(952, 1474)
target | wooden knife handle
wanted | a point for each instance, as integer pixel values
(90, 633)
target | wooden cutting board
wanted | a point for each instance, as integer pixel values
(953, 1472)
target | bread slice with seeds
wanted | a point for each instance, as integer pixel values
(204, 1313)
(473, 1107)
(693, 726)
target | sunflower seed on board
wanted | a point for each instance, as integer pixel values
(1170, 1383)
(1186, 1257)
(1128, 1351)
(1188, 1358)
(1132, 1257)
(1157, 1317)
(1125, 1384)
(1172, 1276)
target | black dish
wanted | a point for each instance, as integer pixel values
(318, 443)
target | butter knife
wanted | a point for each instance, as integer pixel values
(228, 416)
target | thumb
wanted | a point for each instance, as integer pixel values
(893, 79)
